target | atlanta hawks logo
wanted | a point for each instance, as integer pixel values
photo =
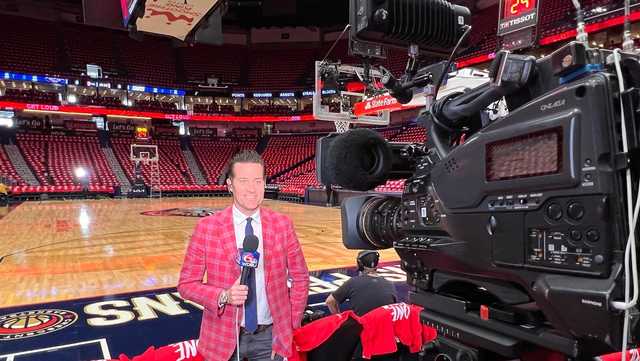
(25, 324)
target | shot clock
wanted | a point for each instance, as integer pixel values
(514, 8)
(516, 15)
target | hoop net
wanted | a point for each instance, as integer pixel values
(342, 126)
(144, 158)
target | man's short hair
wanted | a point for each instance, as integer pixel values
(246, 156)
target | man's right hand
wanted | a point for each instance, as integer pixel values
(237, 294)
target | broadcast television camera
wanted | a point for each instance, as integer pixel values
(512, 233)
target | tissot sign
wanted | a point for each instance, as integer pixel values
(516, 15)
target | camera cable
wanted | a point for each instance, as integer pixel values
(632, 215)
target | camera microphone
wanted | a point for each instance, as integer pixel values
(362, 159)
(359, 159)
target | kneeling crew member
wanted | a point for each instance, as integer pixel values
(366, 291)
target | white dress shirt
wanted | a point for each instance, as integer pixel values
(239, 224)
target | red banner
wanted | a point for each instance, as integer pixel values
(133, 113)
(80, 126)
(377, 104)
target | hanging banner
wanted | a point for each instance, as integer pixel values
(175, 18)
(203, 132)
(124, 128)
(80, 126)
(30, 123)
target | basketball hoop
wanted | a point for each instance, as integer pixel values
(144, 154)
(336, 104)
(342, 126)
(144, 158)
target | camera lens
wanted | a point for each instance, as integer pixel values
(379, 221)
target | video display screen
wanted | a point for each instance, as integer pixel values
(525, 156)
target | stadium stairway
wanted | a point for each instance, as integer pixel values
(222, 178)
(125, 185)
(103, 137)
(193, 166)
(20, 165)
(262, 144)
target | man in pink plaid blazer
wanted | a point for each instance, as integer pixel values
(267, 309)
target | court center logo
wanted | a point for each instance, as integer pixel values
(33, 323)
(183, 212)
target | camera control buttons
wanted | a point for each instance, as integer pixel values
(593, 235)
(554, 211)
(575, 211)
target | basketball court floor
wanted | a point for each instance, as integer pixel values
(103, 268)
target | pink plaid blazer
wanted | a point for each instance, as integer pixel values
(213, 250)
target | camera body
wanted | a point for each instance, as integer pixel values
(548, 223)
(514, 236)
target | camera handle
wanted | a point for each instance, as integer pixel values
(453, 113)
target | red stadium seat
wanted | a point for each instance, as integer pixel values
(214, 154)
(54, 159)
(173, 167)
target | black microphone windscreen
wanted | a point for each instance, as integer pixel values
(250, 243)
(359, 159)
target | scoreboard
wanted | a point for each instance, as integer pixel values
(517, 15)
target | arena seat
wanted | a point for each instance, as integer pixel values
(391, 186)
(270, 110)
(214, 154)
(224, 62)
(60, 189)
(31, 96)
(284, 151)
(172, 165)
(415, 134)
(279, 66)
(54, 159)
(298, 179)
(32, 37)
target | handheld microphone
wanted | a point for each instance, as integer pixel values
(248, 257)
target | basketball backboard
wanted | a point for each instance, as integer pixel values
(337, 88)
(144, 153)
